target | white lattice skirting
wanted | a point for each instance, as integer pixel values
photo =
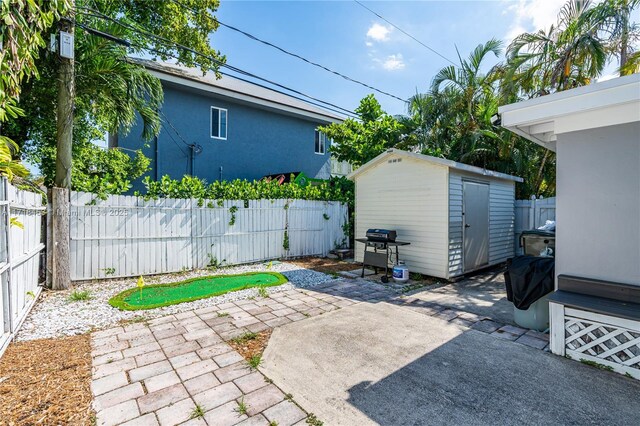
(606, 340)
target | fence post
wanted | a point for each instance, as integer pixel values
(7, 230)
(532, 213)
(60, 270)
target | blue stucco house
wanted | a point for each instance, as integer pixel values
(224, 129)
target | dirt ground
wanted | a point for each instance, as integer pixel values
(46, 382)
(325, 265)
(251, 347)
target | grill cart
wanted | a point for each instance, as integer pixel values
(379, 248)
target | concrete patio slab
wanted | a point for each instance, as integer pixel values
(389, 365)
(483, 294)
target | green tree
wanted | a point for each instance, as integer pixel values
(453, 121)
(358, 141)
(113, 91)
(575, 50)
(615, 26)
(23, 23)
(465, 99)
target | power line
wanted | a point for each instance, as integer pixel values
(315, 64)
(406, 33)
(198, 53)
(174, 141)
(126, 43)
(175, 130)
(295, 55)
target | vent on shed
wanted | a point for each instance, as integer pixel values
(395, 160)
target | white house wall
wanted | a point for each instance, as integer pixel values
(501, 220)
(598, 204)
(410, 197)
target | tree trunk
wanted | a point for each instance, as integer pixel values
(541, 171)
(60, 264)
(624, 39)
(66, 93)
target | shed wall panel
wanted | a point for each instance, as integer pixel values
(410, 197)
(501, 220)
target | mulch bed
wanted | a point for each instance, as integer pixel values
(325, 265)
(46, 382)
(251, 347)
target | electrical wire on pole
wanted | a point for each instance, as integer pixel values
(176, 45)
(406, 33)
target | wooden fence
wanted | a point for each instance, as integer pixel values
(20, 247)
(531, 214)
(126, 236)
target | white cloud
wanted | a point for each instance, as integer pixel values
(378, 32)
(531, 15)
(368, 44)
(393, 62)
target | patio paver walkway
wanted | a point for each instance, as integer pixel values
(158, 372)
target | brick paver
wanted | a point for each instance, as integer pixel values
(168, 370)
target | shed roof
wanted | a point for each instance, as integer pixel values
(433, 160)
(608, 103)
(237, 89)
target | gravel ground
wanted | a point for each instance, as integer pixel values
(54, 315)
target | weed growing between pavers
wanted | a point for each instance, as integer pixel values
(254, 362)
(242, 408)
(244, 338)
(197, 412)
(156, 296)
(313, 420)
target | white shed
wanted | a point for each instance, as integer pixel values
(458, 218)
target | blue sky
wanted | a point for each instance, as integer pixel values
(344, 36)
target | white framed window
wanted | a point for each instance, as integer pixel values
(321, 141)
(218, 123)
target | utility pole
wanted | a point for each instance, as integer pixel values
(59, 265)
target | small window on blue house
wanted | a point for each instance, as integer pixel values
(321, 142)
(218, 123)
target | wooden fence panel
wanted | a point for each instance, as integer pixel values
(20, 247)
(127, 236)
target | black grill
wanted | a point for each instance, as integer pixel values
(381, 235)
(379, 247)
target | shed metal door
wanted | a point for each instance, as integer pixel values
(475, 208)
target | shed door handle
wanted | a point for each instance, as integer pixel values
(466, 225)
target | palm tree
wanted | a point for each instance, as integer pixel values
(575, 50)
(111, 92)
(9, 166)
(613, 19)
(567, 55)
(466, 101)
(115, 87)
(453, 120)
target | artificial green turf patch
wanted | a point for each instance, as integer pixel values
(156, 296)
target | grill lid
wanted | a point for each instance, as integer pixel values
(381, 235)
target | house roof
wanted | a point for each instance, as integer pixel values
(237, 90)
(611, 102)
(433, 160)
